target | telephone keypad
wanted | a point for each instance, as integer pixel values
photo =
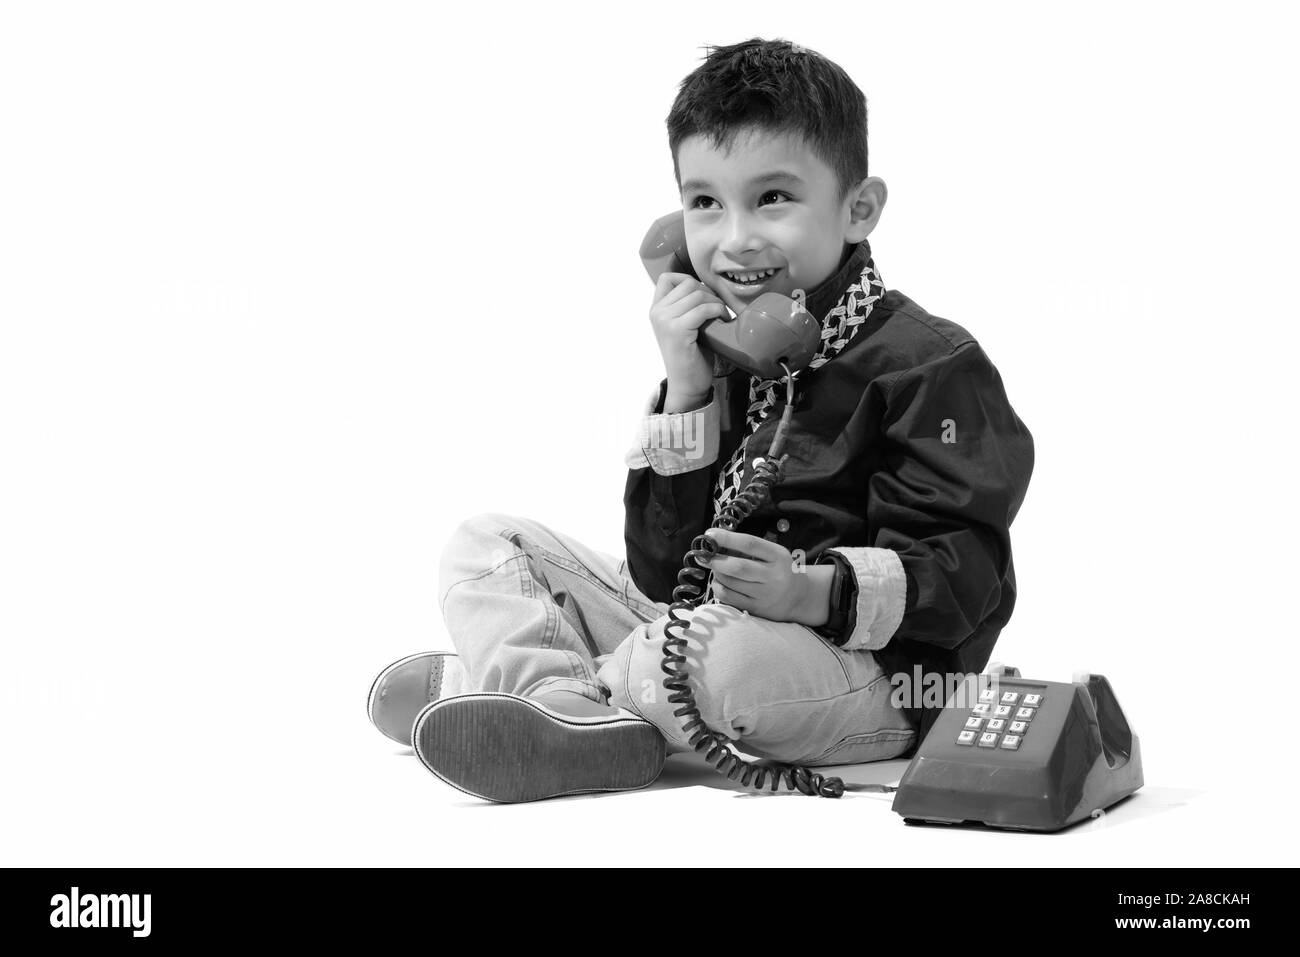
(987, 720)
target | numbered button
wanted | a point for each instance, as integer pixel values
(1033, 700)
(1002, 711)
(988, 740)
(988, 696)
(1010, 697)
(966, 738)
(1024, 714)
(1018, 727)
(995, 724)
(973, 724)
(982, 710)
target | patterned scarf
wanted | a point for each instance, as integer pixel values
(839, 327)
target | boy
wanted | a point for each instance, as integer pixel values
(884, 548)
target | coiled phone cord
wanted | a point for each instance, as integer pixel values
(688, 594)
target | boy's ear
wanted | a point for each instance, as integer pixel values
(865, 203)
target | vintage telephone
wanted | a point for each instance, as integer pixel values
(1028, 755)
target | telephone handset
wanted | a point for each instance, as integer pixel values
(772, 330)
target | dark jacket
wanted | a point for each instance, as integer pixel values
(904, 442)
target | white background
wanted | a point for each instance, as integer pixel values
(288, 290)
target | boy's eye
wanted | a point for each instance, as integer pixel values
(774, 195)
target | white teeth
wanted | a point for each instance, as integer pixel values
(749, 277)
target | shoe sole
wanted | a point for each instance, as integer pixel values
(509, 749)
(379, 680)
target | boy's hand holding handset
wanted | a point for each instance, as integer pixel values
(773, 336)
(681, 305)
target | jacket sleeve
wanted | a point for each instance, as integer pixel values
(940, 513)
(668, 499)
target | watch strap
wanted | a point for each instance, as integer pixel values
(843, 594)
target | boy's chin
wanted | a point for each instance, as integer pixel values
(738, 305)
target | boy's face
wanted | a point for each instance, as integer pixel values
(768, 204)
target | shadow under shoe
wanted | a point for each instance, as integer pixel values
(407, 686)
(510, 749)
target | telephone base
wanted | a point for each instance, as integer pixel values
(1029, 756)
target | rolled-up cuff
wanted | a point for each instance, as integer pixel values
(671, 443)
(882, 596)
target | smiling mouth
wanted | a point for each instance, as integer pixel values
(749, 278)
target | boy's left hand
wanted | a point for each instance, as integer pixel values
(763, 582)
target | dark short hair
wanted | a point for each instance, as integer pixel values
(778, 87)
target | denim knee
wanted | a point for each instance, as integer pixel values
(477, 545)
(775, 689)
(733, 668)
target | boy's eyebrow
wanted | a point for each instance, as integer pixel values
(776, 176)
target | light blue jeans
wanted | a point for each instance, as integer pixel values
(530, 610)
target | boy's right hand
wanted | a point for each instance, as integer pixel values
(681, 305)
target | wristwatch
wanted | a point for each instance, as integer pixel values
(844, 594)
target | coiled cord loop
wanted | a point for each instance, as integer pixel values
(687, 596)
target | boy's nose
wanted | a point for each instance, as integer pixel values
(739, 237)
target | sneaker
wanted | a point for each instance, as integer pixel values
(408, 685)
(508, 749)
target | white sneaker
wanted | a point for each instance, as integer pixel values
(405, 687)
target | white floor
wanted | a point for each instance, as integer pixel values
(274, 773)
(718, 822)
